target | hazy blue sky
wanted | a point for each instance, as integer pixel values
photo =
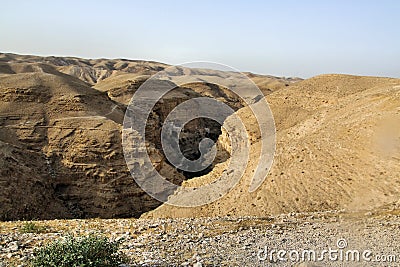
(290, 38)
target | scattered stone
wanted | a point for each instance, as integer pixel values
(13, 246)
(215, 241)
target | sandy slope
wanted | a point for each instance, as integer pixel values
(338, 147)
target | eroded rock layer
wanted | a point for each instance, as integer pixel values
(60, 135)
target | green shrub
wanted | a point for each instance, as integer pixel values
(32, 227)
(88, 251)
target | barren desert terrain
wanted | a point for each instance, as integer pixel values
(335, 173)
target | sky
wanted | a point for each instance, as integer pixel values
(284, 38)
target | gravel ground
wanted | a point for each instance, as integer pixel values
(227, 241)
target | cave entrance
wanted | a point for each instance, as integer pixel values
(190, 137)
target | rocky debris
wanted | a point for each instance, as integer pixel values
(220, 241)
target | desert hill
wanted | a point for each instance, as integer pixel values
(61, 153)
(60, 135)
(338, 147)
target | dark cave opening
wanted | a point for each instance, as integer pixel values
(189, 140)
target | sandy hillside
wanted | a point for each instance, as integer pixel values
(338, 147)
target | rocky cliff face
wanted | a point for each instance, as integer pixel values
(71, 133)
(60, 136)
